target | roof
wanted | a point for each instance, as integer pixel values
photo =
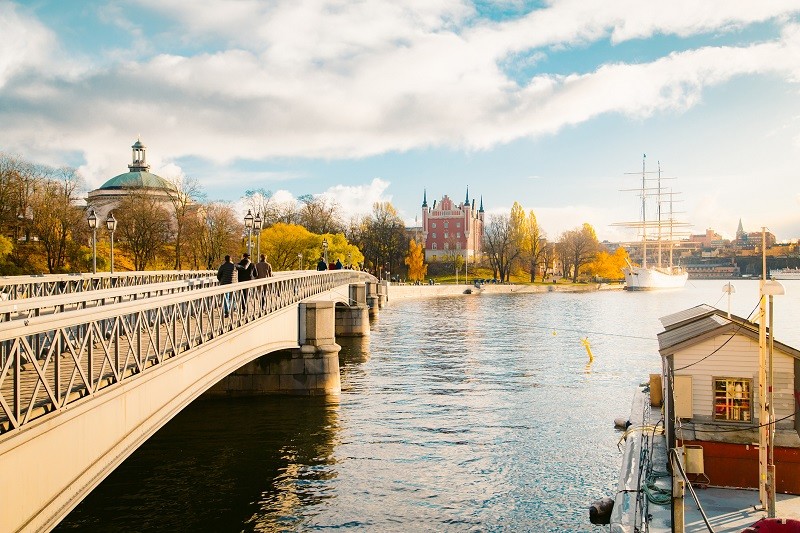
(144, 179)
(692, 326)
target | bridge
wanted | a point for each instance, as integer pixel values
(92, 366)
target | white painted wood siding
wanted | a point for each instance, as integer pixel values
(737, 359)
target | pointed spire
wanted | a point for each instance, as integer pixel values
(424, 198)
(739, 230)
(466, 202)
(481, 209)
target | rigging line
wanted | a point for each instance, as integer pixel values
(733, 334)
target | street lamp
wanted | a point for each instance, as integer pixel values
(258, 224)
(111, 224)
(248, 223)
(325, 250)
(300, 260)
(93, 225)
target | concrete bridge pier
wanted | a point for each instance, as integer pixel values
(353, 321)
(312, 369)
(383, 293)
(372, 298)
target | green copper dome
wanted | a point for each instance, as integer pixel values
(137, 179)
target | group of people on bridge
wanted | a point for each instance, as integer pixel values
(321, 265)
(244, 270)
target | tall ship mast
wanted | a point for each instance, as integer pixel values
(658, 230)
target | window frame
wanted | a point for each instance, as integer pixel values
(747, 414)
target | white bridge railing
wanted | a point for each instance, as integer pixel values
(49, 362)
(18, 287)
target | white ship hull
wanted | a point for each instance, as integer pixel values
(651, 278)
(785, 273)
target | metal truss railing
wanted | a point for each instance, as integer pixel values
(18, 287)
(32, 307)
(53, 361)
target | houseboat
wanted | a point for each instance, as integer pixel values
(692, 456)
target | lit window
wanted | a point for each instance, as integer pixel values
(733, 399)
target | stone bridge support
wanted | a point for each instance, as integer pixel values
(353, 321)
(373, 300)
(312, 369)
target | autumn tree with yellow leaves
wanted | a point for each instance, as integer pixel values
(415, 260)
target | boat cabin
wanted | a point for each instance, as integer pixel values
(710, 380)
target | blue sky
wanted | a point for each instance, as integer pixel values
(546, 103)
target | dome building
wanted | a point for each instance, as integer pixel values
(138, 178)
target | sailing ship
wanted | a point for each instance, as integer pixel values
(658, 231)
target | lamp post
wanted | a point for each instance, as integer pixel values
(258, 223)
(300, 260)
(325, 250)
(769, 288)
(248, 223)
(111, 224)
(349, 259)
(93, 225)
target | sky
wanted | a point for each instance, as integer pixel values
(551, 104)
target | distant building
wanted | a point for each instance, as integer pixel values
(138, 178)
(452, 229)
(751, 240)
(711, 239)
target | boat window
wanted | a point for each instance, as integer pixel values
(733, 399)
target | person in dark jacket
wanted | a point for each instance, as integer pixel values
(263, 269)
(321, 265)
(246, 270)
(226, 274)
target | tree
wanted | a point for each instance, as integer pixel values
(219, 232)
(384, 238)
(497, 239)
(55, 215)
(608, 266)
(533, 244)
(283, 243)
(272, 211)
(576, 248)
(320, 214)
(186, 193)
(144, 227)
(417, 269)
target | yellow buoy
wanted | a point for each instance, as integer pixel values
(585, 342)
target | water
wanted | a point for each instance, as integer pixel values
(474, 413)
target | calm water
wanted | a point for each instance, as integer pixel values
(471, 413)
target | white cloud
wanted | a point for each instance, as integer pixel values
(359, 199)
(345, 80)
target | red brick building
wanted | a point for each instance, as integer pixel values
(452, 229)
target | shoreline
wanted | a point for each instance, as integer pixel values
(404, 292)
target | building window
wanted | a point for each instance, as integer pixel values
(446, 235)
(433, 224)
(733, 399)
(458, 235)
(458, 246)
(446, 224)
(433, 235)
(446, 246)
(433, 246)
(458, 224)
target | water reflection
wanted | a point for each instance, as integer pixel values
(222, 465)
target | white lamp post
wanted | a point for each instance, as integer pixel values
(248, 223)
(93, 225)
(111, 224)
(258, 223)
(325, 250)
(300, 260)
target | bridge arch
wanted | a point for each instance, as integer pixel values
(111, 376)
